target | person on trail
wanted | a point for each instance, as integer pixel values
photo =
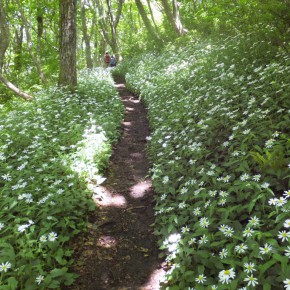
(113, 61)
(107, 59)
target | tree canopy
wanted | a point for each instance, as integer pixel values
(33, 32)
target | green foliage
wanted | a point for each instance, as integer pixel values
(219, 114)
(52, 150)
(215, 17)
(210, 18)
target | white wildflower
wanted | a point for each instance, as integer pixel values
(225, 276)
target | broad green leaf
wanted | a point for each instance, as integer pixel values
(12, 283)
(266, 266)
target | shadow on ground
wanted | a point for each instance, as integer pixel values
(120, 250)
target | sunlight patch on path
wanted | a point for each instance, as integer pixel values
(140, 189)
(120, 86)
(127, 124)
(130, 109)
(154, 281)
(104, 198)
(122, 252)
(107, 242)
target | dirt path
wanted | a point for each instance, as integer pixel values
(120, 250)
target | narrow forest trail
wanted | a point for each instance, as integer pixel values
(120, 251)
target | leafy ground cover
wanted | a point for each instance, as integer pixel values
(50, 149)
(219, 113)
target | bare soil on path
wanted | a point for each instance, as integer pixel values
(120, 251)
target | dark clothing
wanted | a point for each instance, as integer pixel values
(113, 61)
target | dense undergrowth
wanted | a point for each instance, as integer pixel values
(51, 149)
(219, 113)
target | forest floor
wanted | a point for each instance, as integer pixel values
(120, 252)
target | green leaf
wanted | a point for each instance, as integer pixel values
(189, 276)
(200, 269)
(7, 251)
(175, 219)
(218, 243)
(265, 267)
(283, 260)
(12, 283)
(267, 286)
(203, 254)
(174, 288)
(54, 284)
(234, 284)
(70, 278)
(58, 272)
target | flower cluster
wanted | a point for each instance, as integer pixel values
(220, 152)
(50, 150)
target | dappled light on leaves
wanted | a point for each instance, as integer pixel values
(51, 152)
(214, 78)
(92, 144)
(219, 113)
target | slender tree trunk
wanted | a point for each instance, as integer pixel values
(4, 33)
(152, 15)
(4, 43)
(103, 23)
(29, 44)
(68, 33)
(39, 19)
(102, 46)
(18, 46)
(173, 17)
(13, 88)
(146, 21)
(176, 17)
(86, 36)
(114, 21)
(95, 35)
(108, 23)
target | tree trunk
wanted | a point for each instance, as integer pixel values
(108, 22)
(68, 72)
(29, 44)
(39, 19)
(13, 88)
(152, 15)
(146, 20)
(4, 34)
(4, 43)
(18, 47)
(95, 36)
(173, 17)
(114, 24)
(86, 36)
(176, 16)
(103, 23)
